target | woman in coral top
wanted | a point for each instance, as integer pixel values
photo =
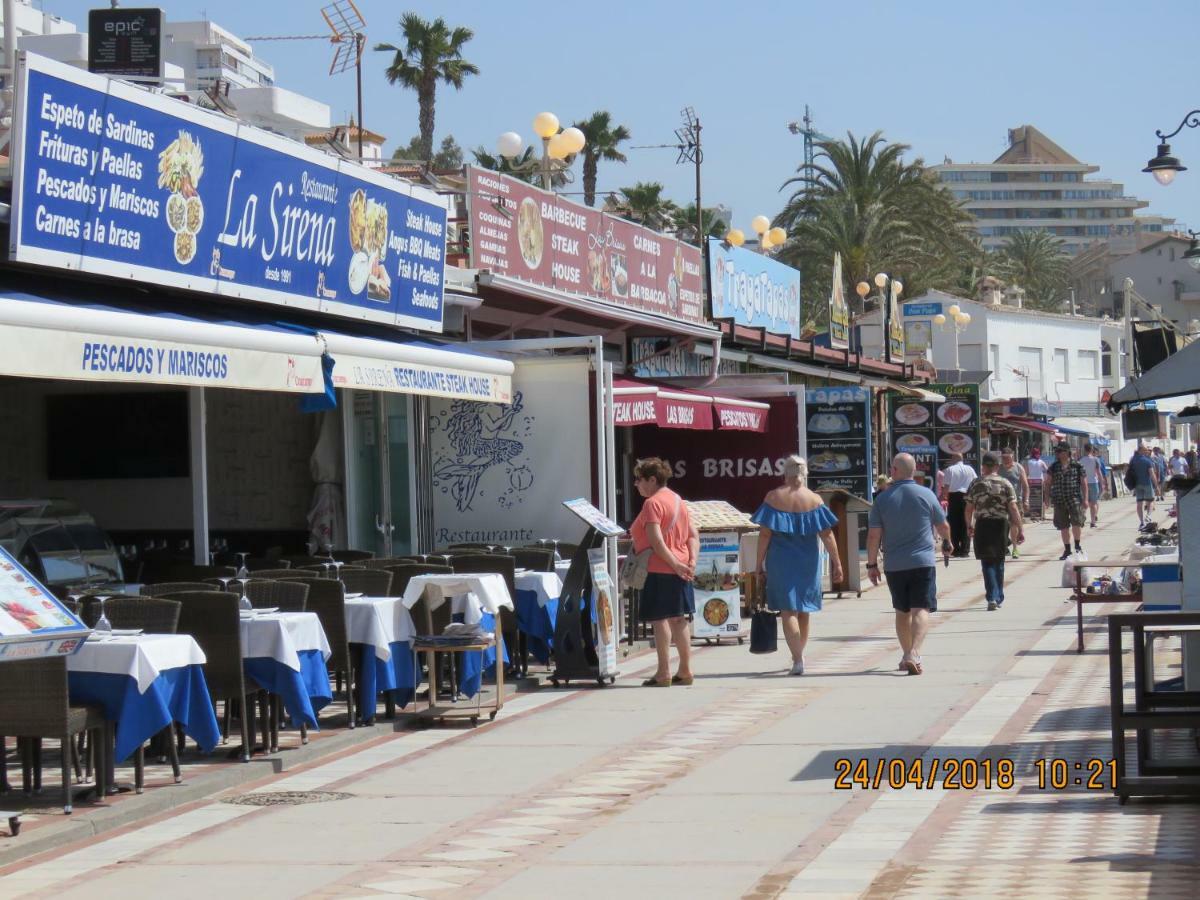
(667, 602)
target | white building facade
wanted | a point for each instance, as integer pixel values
(1164, 279)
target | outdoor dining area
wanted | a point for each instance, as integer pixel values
(202, 665)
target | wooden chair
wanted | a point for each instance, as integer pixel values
(372, 582)
(214, 620)
(536, 559)
(35, 704)
(327, 599)
(353, 556)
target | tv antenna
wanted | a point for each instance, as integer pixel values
(348, 38)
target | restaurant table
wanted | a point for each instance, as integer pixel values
(144, 683)
(474, 599)
(285, 654)
(1081, 596)
(382, 630)
(537, 610)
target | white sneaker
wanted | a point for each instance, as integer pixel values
(797, 668)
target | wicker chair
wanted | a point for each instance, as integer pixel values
(383, 562)
(402, 574)
(327, 599)
(154, 615)
(175, 587)
(505, 566)
(196, 573)
(469, 545)
(353, 556)
(276, 573)
(286, 596)
(302, 560)
(372, 582)
(213, 619)
(257, 563)
(35, 704)
(537, 559)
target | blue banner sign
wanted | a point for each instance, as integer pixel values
(753, 289)
(921, 309)
(111, 179)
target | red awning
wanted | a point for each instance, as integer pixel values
(634, 403)
(740, 415)
(667, 406)
(1026, 424)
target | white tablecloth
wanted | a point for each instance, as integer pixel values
(378, 621)
(281, 636)
(141, 658)
(472, 594)
(547, 585)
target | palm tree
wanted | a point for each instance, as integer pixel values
(685, 224)
(882, 213)
(1035, 261)
(644, 203)
(432, 52)
(602, 141)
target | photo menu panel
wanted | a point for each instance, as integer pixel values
(951, 426)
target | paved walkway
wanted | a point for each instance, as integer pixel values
(723, 789)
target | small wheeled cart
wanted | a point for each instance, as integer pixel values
(453, 709)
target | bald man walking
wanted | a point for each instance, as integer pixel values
(903, 520)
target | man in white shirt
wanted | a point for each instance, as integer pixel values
(1178, 464)
(958, 479)
(1090, 460)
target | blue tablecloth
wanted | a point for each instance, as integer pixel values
(476, 662)
(176, 695)
(537, 623)
(400, 674)
(304, 693)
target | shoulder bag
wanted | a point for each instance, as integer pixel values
(635, 568)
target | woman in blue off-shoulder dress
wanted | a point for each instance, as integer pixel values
(794, 523)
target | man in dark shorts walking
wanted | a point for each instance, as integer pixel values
(993, 519)
(1066, 484)
(903, 520)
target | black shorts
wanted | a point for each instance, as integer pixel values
(913, 589)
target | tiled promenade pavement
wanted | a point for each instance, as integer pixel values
(723, 789)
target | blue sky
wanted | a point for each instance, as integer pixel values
(948, 78)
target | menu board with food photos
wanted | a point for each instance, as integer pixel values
(839, 440)
(951, 426)
(718, 597)
(33, 622)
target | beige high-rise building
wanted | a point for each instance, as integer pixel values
(1037, 185)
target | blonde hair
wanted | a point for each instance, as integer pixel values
(795, 468)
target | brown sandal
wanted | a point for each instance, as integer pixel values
(654, 682)
(676, 679)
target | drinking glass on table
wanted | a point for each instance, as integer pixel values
(242, 570)
(337, 572)
(102, 627)
(225, 579)
(244, 603)
(328, 566)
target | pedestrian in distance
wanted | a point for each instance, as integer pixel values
(959, 477)
(1065, 486)
(1035, 472)
(668, 600)
(1096, 487)
(902, 521)
(881, 483)
(1177, 465)
(1145, 483)
(994, 519)
(1014, 473)
(1192, 462)
(794, 523)
(1160, 467)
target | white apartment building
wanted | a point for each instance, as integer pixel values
(1036, 185)
(1163, 278)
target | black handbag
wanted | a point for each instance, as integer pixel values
(764, 631)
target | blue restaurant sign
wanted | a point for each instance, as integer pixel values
(113, 180)
(753, 289)
(921, 309)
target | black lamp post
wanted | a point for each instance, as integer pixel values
(1164, 166)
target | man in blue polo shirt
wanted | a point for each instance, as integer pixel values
(903, 520)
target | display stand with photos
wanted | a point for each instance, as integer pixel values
(586, 630)
(721, 570)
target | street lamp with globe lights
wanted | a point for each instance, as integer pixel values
(961, 320)
(888, 287)
(557, 146)
(1164, 167)
(768, 238)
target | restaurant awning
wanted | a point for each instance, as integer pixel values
(1025, 424)
(1175, 376)
(912, 391)
(416, 367)
(41, 338)
(1093, 429)
(667, 406)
